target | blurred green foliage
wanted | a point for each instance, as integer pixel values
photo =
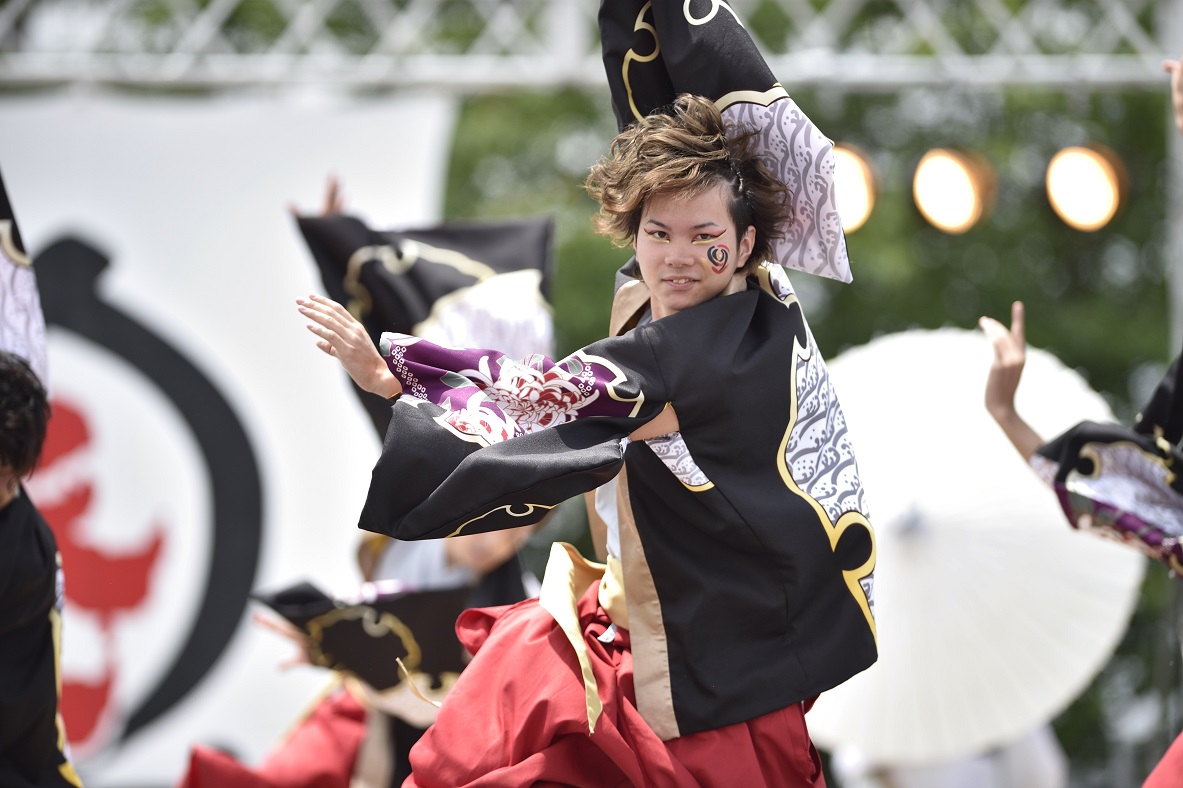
(1097, 300)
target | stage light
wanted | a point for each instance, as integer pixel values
(953, 189)
(1085, 186)
(854, 186)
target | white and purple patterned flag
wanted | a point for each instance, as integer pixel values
(22, 325)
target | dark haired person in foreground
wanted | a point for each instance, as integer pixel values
(32, 737)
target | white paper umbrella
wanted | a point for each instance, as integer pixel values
(993, 614)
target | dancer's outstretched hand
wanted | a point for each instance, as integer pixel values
(345, 339)
(1010, 354)
(333, 203)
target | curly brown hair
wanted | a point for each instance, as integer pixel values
(687, 148)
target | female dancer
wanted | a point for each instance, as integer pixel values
(1110, 479)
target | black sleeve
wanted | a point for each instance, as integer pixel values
(431, 482)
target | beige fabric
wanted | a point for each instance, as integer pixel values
(651, 672)
(627, 592)
(374, 765)
(651, 666)
(627, 304)
(568, 575)
(612, 597)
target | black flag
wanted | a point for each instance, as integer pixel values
(365, 636)
(425, 282)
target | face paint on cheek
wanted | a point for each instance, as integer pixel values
(717, 257)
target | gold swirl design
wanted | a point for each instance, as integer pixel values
(631, 56)
(715, 6)
(399, 261)
(618, 377)
(763, 98)
(375, 625)
(8, 244)
(530, 508)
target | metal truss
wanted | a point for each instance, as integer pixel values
(476, 45)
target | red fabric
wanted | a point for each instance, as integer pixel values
(516, 717)
(320, 753)
(1169, 771)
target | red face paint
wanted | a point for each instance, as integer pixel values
(717, 257)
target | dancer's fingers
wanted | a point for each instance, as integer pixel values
(333, 203)
(327, 339)
(333, 307)
(329, 309)
(993, 330)
(338, 320)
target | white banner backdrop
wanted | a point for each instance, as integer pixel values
(196, 425)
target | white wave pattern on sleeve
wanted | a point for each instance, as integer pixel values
(819, 453)
(803, 158)
(672, 450)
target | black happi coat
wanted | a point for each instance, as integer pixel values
(746, 593)
(31, 735)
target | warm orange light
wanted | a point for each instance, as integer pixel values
(952, 189)
(854, 187)
(1085, 186)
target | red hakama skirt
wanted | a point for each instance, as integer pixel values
(517, 716)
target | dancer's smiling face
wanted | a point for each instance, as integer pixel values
(688, 248)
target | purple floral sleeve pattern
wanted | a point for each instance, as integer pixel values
(489, 397)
